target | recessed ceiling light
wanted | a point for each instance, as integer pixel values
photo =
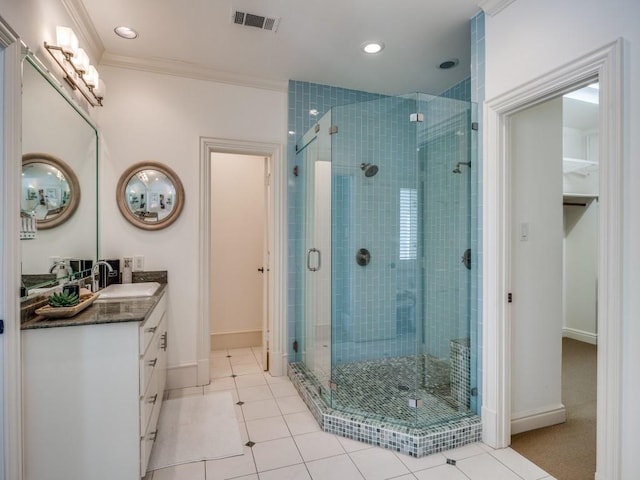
(126, 32)
(447, 64)
(372, 47)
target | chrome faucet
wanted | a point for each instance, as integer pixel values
(62, 270)
(95, 274)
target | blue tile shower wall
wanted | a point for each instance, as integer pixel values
(366, 214)
(460, 91)
(445, 140)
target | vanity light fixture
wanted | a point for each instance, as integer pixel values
(371, 48)
(74, 62)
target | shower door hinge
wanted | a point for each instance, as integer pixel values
(295, 346)
(416, 402)
(333, 129)
(474, 125)
(509, 297)
(316, 128)
(416, 117)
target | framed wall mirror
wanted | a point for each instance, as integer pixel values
(50, 189)
(150, 195)
(67, 144)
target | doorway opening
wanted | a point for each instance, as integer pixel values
(240, 212)
(554, 271)
(276, 295)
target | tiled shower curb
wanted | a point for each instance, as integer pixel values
(416, 442)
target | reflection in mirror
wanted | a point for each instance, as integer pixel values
(150, 195)
(50, 189)
(54, 125)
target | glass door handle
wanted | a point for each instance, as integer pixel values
(309, 252)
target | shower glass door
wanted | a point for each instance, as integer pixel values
(315, 163)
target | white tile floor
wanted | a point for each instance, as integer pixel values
(289, 444)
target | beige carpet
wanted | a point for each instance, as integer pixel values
(568, 451)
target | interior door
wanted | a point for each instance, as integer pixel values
(536, 267)
(316, 168)
(266, 265)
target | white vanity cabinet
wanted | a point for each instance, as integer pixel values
(92, 395)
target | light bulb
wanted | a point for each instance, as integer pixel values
(67, 40)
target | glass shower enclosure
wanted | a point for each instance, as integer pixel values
(386, 242)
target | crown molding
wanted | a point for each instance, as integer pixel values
(191, 70)
(91, 41)
(493, 7)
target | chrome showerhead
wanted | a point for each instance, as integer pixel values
(369, 169)
(457, 169)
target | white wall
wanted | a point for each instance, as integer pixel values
(161, 118)
(532, 37)
(580, 271)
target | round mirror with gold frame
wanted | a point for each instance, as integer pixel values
(50, 189)
(150, 195)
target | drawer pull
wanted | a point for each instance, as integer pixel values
(164, 343)
(151, 329)
(152, 400)
(152, 363)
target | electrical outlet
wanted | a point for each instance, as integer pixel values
(127, 268)
(138, 263)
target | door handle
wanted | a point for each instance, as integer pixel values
(309, 252)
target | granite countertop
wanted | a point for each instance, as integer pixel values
(116, 310)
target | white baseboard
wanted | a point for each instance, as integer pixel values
(489, 433)
(538, 419)
(278, 363)
(240, 339)
(204, 371)
(580, 335)
(182, 376)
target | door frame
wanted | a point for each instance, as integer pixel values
(11, 427)
(605, 64)
(278, 241)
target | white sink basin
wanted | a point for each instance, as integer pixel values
(126, 290)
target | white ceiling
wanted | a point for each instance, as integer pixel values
(316, 41)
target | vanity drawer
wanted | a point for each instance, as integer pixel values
(154, 357)
(146, 442)
(149, 401)
(150, 326)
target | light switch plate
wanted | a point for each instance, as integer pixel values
(138, 263)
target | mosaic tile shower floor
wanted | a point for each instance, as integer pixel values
(382, 390)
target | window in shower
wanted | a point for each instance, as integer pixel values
(408, 223)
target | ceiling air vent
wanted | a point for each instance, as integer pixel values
(254, 20)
